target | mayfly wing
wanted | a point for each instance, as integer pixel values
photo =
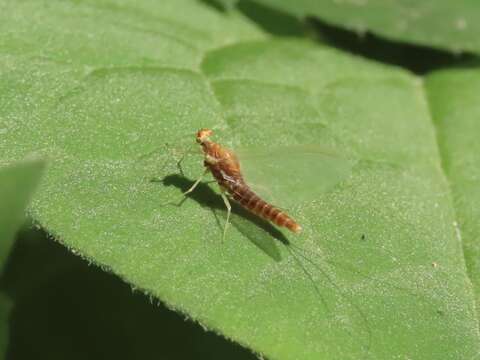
(287, 177)
(290, 175)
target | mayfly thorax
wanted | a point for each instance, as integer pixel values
(225, 168)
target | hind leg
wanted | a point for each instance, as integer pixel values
(229, 210)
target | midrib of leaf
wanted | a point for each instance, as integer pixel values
(423, 94)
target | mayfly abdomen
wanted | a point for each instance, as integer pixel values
(251, 201)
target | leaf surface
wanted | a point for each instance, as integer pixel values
(98, 87)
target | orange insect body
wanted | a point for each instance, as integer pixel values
(225, 167)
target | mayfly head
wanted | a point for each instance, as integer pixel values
(203, 135)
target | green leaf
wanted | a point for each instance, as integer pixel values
(452, 25)
(453, 96)
(109, 84)
(17, 183)
(223, 4)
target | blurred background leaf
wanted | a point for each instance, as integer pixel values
(17, 183)
(451, 25)
(5, 308)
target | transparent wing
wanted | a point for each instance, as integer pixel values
(288, 175)
(284, 176)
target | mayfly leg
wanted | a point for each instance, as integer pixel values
(195, 184)
(229, 210)
(184, 155)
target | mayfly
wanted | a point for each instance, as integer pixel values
(225, 168)
(224, 165)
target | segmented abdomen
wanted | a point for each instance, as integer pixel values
(251, 201)
(228, 175)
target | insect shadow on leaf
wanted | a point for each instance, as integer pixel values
(262, 234)
(265, 236)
